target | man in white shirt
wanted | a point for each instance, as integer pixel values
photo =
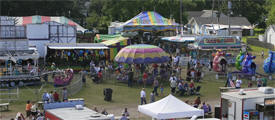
(238, 83)
(97, 69)
(173, 83)
(143, 96)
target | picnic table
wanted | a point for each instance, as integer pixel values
(4, 106)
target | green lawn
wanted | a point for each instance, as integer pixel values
(124, 96)
(254, 49)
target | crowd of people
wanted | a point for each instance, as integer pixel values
(261, 81)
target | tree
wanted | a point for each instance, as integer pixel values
(270, 6)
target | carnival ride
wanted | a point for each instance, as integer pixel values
(245, 64)
(269, 63)
(219, 62)
(63, 77)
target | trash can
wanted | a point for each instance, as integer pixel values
(107, 92)
(217, 111)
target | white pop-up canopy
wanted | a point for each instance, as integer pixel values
(169, 107)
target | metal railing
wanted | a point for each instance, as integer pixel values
(10, 94)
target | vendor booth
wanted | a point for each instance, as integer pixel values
(75, 54)
(204, 47)
(249, 104)
(114, 42)
(168, 108)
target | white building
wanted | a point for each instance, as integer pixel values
(14, 48)
(115, 28)
(41, 30)
(269, 35)
(251, 104)
(207, 22)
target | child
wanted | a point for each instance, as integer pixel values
(161, 89)
(249, 84)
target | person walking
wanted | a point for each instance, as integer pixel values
(238, 83)
(156, 85)
(56, 96)
(45, 97)
(264, 80)
(51, 99)
(65, 94)
(83, 76)
(130, 78)
(259, 83)
(152, 97)
(28, 109)
(143, 96)
(197, 102)
(173, 83)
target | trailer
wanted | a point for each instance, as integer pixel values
(248, 104)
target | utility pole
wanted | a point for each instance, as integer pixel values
(181, 26)
(229, 13)
(213, 14)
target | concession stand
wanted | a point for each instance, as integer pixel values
(204, 47)
(248, 104)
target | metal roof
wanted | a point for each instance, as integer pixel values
(72, 114)
(241, 21)
(250, 93)
(77, 46)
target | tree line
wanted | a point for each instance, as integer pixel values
(99, 13)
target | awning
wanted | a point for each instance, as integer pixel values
(113, 41)
(19, 55)
(77, 46)
(180, 38)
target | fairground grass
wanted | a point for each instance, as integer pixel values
(124, 96)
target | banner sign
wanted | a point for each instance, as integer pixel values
(219, 40)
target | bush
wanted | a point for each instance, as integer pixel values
(256, 42)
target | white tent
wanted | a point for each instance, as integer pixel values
(169, 107)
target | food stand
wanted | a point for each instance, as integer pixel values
(249, 104)
(205, 46)
(75, 53)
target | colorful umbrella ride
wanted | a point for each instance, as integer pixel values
(141, 53)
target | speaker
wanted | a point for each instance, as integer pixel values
(107, 92)
(217, 112)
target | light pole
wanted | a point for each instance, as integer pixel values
(228, 16)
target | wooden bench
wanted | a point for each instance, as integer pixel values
(119, 117)
(4, 106)
(76, 99)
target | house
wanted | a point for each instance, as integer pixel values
(41, 30)
(269, 35)
(219, 26)
(203, 13)
(115, 27)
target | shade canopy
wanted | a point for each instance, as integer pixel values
(70, 46)
(141, 54)
(149, 21)
(169, 107)
(179, 38)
